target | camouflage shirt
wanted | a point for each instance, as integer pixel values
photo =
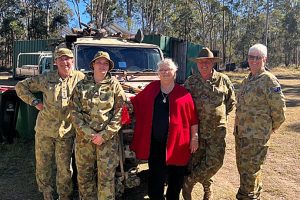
(96, 107)
(213, 98)
(260, 106)
(54, 119)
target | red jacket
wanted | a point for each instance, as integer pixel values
(182, 116)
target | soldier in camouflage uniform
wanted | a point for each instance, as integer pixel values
(259, 112)
(54, 134)
(214, 97)
(96, 115)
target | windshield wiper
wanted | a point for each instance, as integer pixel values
(148, 70)
(117, 70)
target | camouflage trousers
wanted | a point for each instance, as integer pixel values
(96, 166)
(250, 156)
(48, 151)
(206, 161)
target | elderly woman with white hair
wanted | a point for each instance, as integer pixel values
(165, 131)
(259, 112)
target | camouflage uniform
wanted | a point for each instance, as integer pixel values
(54, 134)
(259, 111)
(96, 108)
(214, 99)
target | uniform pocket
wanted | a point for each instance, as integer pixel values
(217, 97)
(52, 92)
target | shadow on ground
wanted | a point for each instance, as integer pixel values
(140, 192)
(292, 91)
(17, 175)
(295, 127)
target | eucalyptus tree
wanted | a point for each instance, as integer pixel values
(127, 14)
(29, 19)
(60, 18)
(103, 12)
(149, 11)
(291, 31)
(76, 9)
(251, 26)
(40, 15)
(11, 28)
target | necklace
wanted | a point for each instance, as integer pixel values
(165, 91)
(165, 97)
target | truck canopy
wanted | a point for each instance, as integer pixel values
(33, 63)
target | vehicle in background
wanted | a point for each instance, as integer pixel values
(135, 66)
(32, 64)
(135, 62)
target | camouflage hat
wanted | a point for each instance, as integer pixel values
(102, 54)
(63, 52)
(205, 53)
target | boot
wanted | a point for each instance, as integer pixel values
(207, 192)
(48, 196)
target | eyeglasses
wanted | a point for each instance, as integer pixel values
(250, 57)
(165, 70)
(64, 58)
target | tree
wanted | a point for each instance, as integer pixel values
(103, 12)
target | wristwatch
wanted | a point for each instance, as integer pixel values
(35, 102)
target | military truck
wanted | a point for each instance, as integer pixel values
(33, 63)
(135, 67)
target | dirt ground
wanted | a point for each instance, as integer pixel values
(281, 172)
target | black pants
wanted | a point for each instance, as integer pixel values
(159, 173)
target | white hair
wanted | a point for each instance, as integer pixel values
(167, 61)
(262, 49)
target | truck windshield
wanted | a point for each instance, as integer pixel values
(125, 58)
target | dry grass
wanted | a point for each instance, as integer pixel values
(281, 171)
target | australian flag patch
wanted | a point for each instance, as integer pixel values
(276, 89)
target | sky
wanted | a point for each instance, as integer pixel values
(84, 18)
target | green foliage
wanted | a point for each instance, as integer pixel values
(30, 19)
(103, 12)
(236, 24)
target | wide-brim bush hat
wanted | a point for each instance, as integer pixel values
(205, 53)
(102, 54)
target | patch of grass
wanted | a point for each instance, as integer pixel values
(236, 78)
(15, 154)
(286, 72)
(281, 73)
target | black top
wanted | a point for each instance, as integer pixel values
(160, 121)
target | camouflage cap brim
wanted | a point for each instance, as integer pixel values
(63, 52)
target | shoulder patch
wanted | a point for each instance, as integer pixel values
(275, 89)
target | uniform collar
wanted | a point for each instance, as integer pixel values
(60, 79)
(212, 79)
(259, 74)
(90, 78)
